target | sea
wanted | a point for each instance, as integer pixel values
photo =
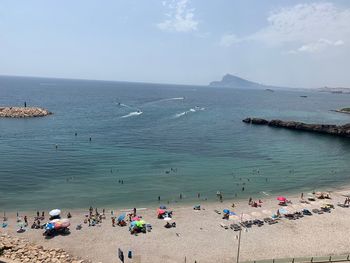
(123, 145)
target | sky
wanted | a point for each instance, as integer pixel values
(278, 42)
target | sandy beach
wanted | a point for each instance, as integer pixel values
(199, 237)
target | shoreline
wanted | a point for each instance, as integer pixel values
(197, 232)
(190, 202)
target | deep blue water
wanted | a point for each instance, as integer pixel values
(195, 133)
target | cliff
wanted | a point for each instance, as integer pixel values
(337, 130)
(23, 112)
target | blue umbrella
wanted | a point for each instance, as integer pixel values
(121, 217)
(226, 211)
(49, 226)
(162, 207)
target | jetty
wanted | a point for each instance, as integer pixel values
(337, 130)
(23, 112)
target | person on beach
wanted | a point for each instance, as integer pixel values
(233, 205)
(69, 215)
(113, 221)
(42, 215)
(25, 221)
(37, 214)
(134, 211)
(158, 197)
(90, 210)
(250, 201)
(302, 196)
(221, 198)
(198, 195)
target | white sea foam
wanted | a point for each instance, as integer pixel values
(132, 114)
(192, 110)
(164, 100)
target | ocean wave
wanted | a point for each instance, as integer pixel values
(132, 114)
(192, 110)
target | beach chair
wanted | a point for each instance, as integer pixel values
(307, 212)
(343, 205)
(235, 227)
(223, 226)
(317, 211)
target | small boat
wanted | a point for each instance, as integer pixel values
(303, 96)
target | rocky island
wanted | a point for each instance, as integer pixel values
(338, 130)
(23, 112)
(344, 110)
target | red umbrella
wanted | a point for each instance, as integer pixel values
(161, 211)
(281, 198)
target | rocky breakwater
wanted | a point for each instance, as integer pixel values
(23, 112)
(20, 250)
(338, 130)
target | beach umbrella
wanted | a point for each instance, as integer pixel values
(121, 217)
(49, 226)
(161, 211)
(65, 222)
(162, 207)
(281, 198)
(167, 218)
(55, 212)
(283, 211)
(226, 211)
(138, 224)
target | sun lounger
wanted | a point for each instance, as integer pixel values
(224, 226)
(317, 211)
(343, 206)
(235, 227)
(307, 212)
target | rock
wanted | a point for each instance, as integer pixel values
(337, 130)
(23, 112)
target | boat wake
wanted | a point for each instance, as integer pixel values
(192, 110)
(132, 114)
(164, 100)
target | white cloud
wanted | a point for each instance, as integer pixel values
(312, 27)
(180, 17)
(318, 46)
(228, 40)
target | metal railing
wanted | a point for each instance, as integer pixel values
(335, 258)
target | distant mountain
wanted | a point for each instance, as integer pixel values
(335, 90)
(231, 81)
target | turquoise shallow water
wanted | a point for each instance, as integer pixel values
(197, 131)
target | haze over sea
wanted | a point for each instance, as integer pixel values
(161, 140)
